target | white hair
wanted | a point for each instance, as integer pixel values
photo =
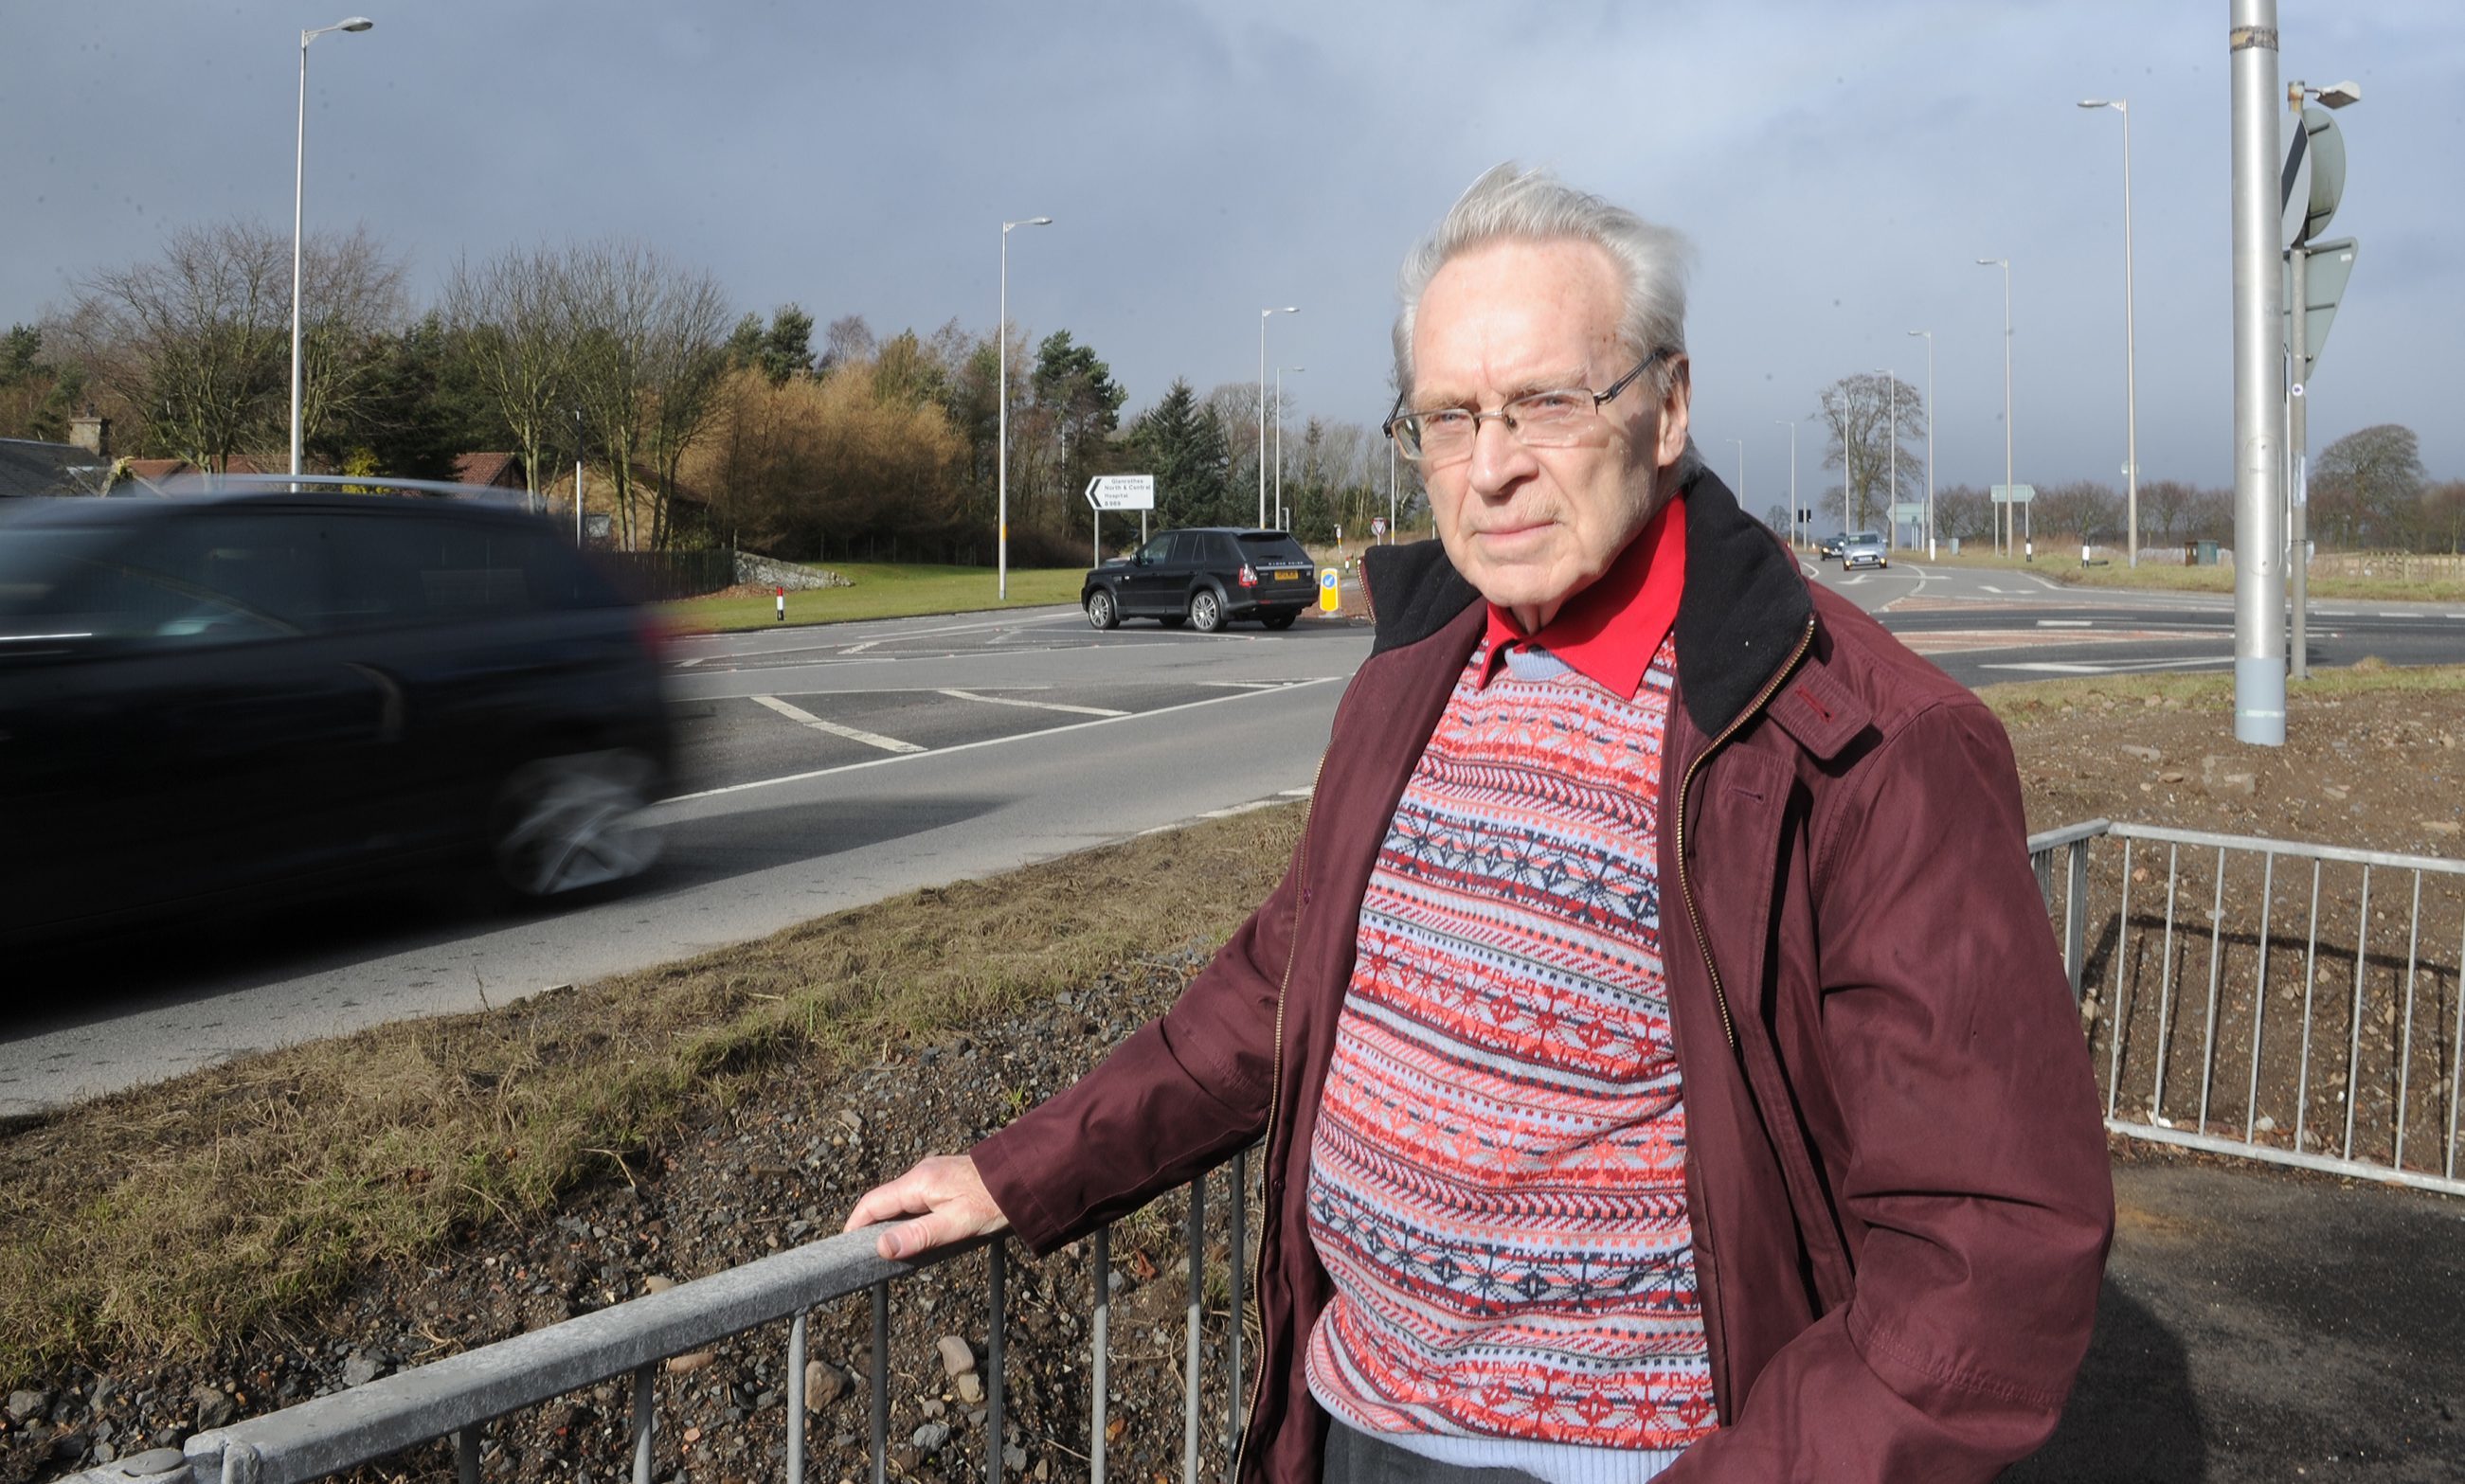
(1508, 203)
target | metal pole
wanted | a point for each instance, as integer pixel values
(2130, 354)
(2003, 517)
(1892, 428)
(1001, 423)
(1929, 340)
(2297, 438)
(298, 181)
(2258, 323)
(578, 537)
(1794, 532)
(1264, 315)
(1000, 398)
(1280, 437)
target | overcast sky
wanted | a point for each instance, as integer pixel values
(1839, 167)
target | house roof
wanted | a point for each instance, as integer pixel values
(495, 471)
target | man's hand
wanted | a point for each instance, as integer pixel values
(946, 1196)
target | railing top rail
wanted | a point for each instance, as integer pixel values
(2304, 849)
(2069, 835)
(352, 1427)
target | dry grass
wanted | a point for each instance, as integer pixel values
(180, 1215)
(2034, 700)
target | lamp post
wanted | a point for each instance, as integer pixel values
(1279, 441)
(1263, 316)
(1001, 399)
(1929, 340)
(1791, 423)
(1892, 432)
(2003, 526)
(2130, 352)
(299, 179)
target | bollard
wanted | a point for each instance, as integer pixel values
(783, 606)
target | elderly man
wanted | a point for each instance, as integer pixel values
(1664, 1063)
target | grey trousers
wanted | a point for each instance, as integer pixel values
(1357, 1457)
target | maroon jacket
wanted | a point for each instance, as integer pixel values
(1896, 1175)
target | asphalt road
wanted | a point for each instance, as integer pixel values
(825, 767)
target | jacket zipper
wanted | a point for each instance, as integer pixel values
(1274, 1098)
(1686, 785)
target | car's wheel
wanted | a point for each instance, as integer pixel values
(1280, 622)
(564, 823)
(1207, 610)
(1101, 611)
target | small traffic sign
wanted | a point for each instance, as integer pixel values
(1329, 597)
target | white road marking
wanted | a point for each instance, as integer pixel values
(2063, 623)
(688, 664)
(850, 733)
(1246, 685)
(858, 649)
(989, 741)
(1038, 705)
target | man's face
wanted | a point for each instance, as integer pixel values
(1531, 527)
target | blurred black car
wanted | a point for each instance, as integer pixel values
(247, 697)
(1829, 547)
(1207, 576)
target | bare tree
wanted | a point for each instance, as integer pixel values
(2165, 504)
(650, 339)
(684, 363)
(1865, 415)
(515, 315)
(192, 347)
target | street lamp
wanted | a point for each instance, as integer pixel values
(2002, 529)
(1279, 441)
(1929, 340)
(1263, 316)
(1892, 432)
(2130, 353)
(1791, 423)
(298, 179)
(1001, 399)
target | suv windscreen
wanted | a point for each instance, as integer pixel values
(1273, 546)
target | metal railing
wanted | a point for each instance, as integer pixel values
(2215, 1035)
(2270, 999)
(458, 1397)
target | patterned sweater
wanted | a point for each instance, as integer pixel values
(1497, 1179)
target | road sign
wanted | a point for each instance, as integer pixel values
(1909, 510)
(2329, 264)
(1377, 525)
(1121, 491)
(2014, 494)
(1329, 596)
(2324, 149)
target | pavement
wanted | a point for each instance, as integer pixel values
(2265, 1325)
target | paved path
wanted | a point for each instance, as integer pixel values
(2258, 1326)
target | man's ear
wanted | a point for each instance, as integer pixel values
(1674, 408)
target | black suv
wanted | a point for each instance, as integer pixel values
(1207, 576)
(246, 698)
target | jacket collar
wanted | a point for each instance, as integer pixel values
(1739, 618)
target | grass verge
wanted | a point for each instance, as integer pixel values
(174, 1217)
(883, 590)
(2026, 701)
(2161, 577)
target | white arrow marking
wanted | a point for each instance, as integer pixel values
(1039, 705)
(850, 733)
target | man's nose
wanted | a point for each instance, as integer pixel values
(1498, 458)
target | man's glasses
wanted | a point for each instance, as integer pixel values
(1539, 420)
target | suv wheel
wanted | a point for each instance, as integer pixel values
(564, 823)
(1101, 611)
(1207, 610)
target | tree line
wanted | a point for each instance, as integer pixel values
(2366, 491)
(698, 424)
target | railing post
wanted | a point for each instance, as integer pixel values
(997, 1280)
(879, 1379)
(2075, 918)
(1101, 1334)
(645, 1414)
(1240, 1274)
(1197, 1242)
(796, 1337)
